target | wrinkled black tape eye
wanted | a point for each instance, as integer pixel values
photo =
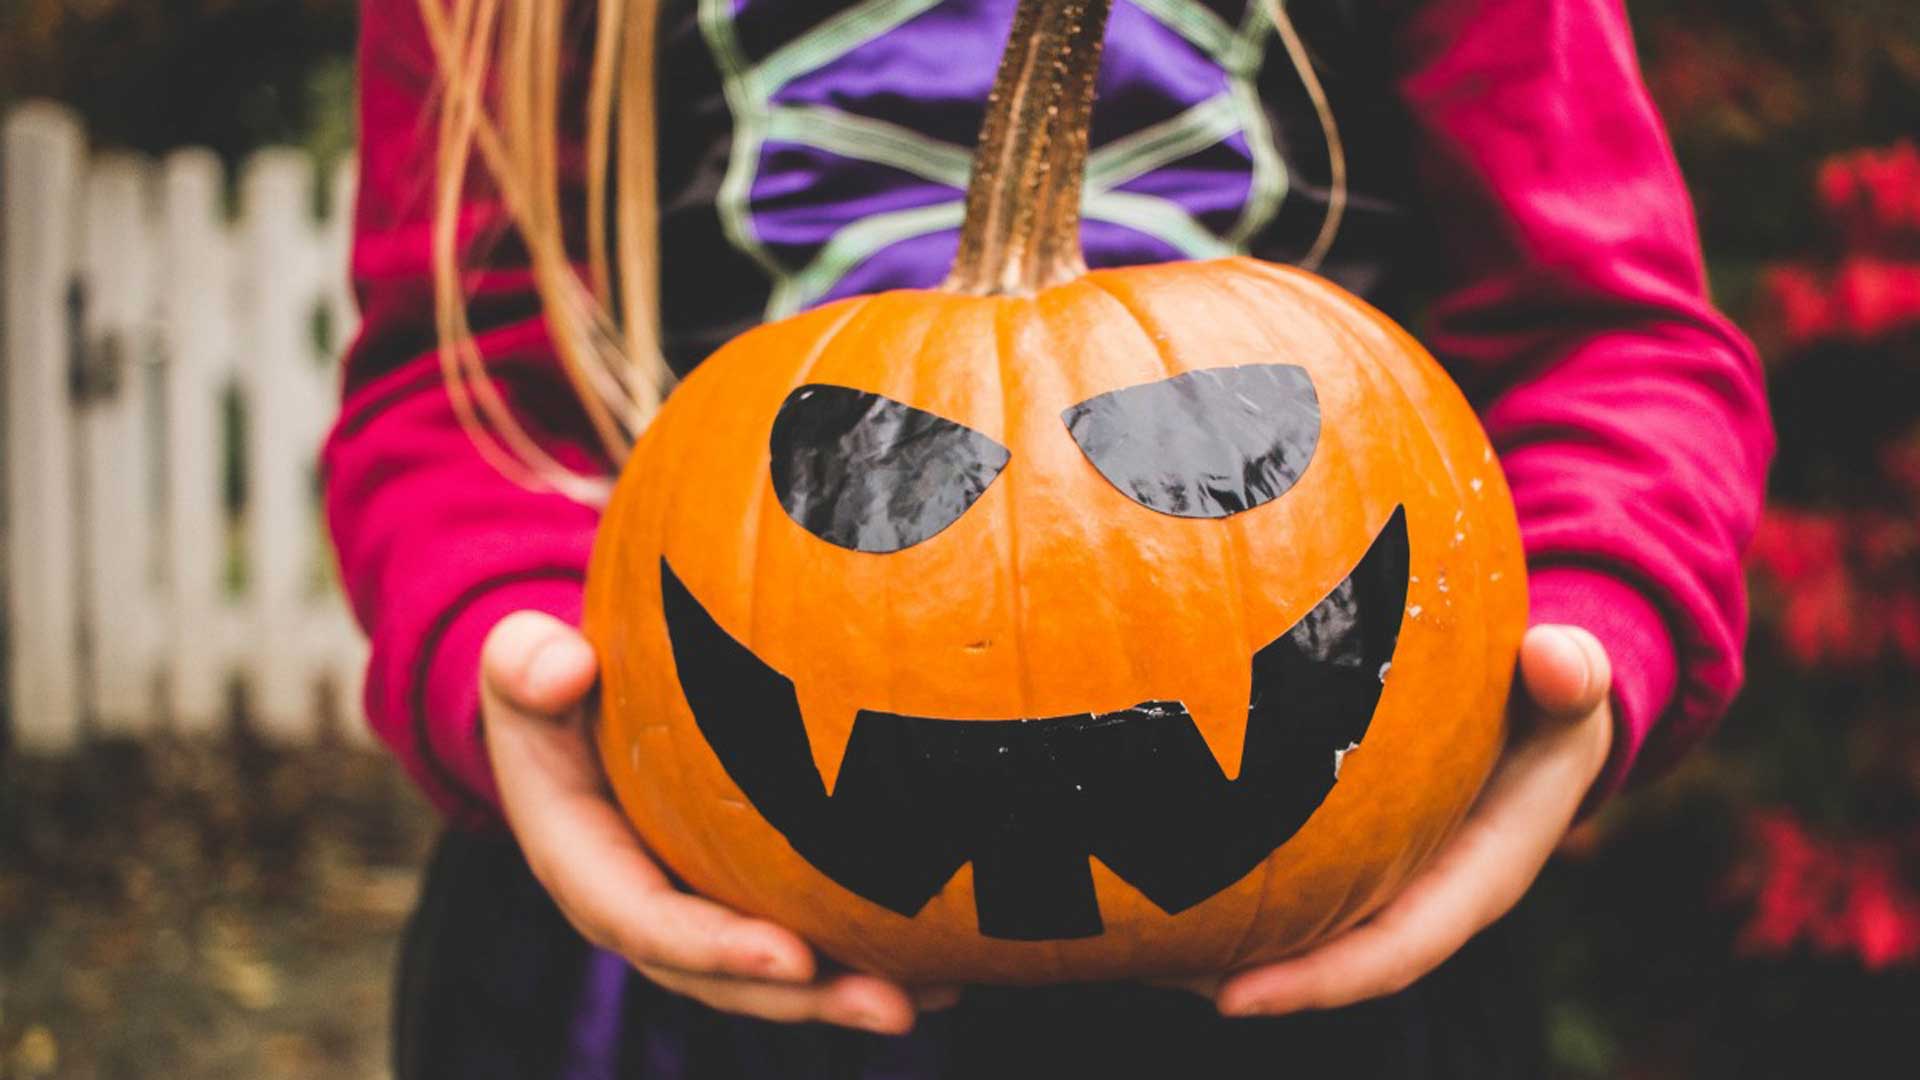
(1207, 444)
(864, 472)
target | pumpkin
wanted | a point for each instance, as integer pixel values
(1055, 624)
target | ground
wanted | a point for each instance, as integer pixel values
(203, 910)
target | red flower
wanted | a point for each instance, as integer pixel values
(1820, 623)
(1796, 302)
(1864, 299)
(1837, 186)
(1845, 589)
(1792, 546)
(1837, 896)
(1791, 887)
(1882, 917)
(1872, 297)
(1873, 195)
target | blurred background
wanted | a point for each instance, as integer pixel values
(217, 891)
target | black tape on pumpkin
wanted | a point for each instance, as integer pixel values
(1028, 801)
(1206, 444)
(864, 472)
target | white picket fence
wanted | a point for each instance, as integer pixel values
(149, 343)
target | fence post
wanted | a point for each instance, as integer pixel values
(117, 512)
(42, 154)
(196, 300)
(278, 366)
(341, 642)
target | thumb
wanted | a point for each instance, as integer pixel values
(536, 663)
(1565, 671)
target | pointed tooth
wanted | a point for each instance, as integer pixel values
(1221, 716)
(829, 723)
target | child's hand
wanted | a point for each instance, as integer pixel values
(1557, 748)
(535, 671)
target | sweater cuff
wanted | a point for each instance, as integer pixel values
(1639, 645)
(447, 718)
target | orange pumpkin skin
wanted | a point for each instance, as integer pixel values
(1055, 594)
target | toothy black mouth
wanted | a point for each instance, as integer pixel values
(1028, 801)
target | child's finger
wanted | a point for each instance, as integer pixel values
(582, 850)
(1370, 961)
(669, 928)
(537, 663)
(850, 1000)
(1565, 671)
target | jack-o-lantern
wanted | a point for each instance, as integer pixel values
(1058, 624)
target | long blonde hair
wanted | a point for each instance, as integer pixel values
(502, 70)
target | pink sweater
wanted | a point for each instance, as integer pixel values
(1629, 415)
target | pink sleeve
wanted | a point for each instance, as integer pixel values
(1630, 416)
(434, 545)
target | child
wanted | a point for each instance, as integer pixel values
(1502, 165)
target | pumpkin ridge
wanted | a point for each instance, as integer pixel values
(1254, 297)
(843, 335)
(1236, 525)
(1236, 543)
(928, 325)
(1479, 578)
(1334, 453)
(1094, 282)
(1257, 295)
(1003, 330)
(1323, 303)
(755, 541)
(744, 883)
(1158, 343)
(821, 345)
(679, 744)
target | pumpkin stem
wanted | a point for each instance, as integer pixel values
(1022, 228)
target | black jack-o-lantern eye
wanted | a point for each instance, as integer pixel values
(867, 473)
(1206, 444)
